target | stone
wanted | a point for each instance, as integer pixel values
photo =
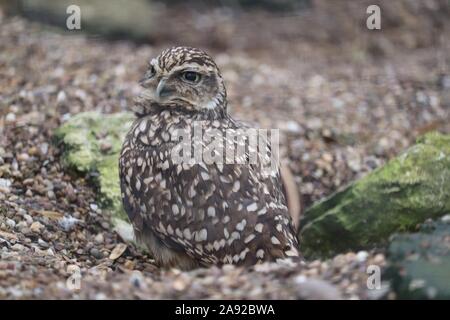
(36, 227)
(118, 250)
(10, 223)
(419, 263)
(82, 152)
(315, 289)
(408, 190)
(138, 22)
(97, 254)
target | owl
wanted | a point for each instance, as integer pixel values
(199, 211)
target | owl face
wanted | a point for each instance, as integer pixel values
(184, 77)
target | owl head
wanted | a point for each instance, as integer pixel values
(184, 78)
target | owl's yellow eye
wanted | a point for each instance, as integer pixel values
(191, 76)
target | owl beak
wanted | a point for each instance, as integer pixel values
(162, 90)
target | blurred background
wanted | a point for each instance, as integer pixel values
(283, 25)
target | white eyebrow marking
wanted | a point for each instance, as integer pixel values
(189, 67)
(154, 62)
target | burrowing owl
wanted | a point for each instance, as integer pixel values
(198, 213)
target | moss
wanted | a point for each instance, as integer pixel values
(109, 185)
(82, 138)
(397, 197)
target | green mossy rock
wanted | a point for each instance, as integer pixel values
(396, 197)
(419, 263)
(91, 143)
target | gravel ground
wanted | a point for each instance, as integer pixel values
(340, 118)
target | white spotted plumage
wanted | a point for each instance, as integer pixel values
(198, 213)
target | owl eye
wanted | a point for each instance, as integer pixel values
(191, 76)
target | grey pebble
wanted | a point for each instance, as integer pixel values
(96, 253)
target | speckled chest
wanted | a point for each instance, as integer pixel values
(216, 212)
(160, 185)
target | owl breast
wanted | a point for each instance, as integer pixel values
(215, 212)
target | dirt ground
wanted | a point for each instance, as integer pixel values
(343, 108)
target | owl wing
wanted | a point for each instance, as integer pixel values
(137, 199)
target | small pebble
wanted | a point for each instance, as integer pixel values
(23, 157)
(10, 117)
(362, 256)
(36, 227)
(10, 223)
(97, 254)
(18, 247)
(99, 238)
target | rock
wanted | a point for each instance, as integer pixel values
(83, 154)
(124, 229)
(419, 263)
(17, 247)
(137, 22)
(10, 223)
(97, 254)
(36, 227)
(10, 117)
(42, 243)
(316, 289)
(397, 197)
(362, 256)
(23, 157)
(117, 251)
(68, 223)
(99, 238)
(8, 236)
(49, 214)
(61, 97)
(4, 185)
